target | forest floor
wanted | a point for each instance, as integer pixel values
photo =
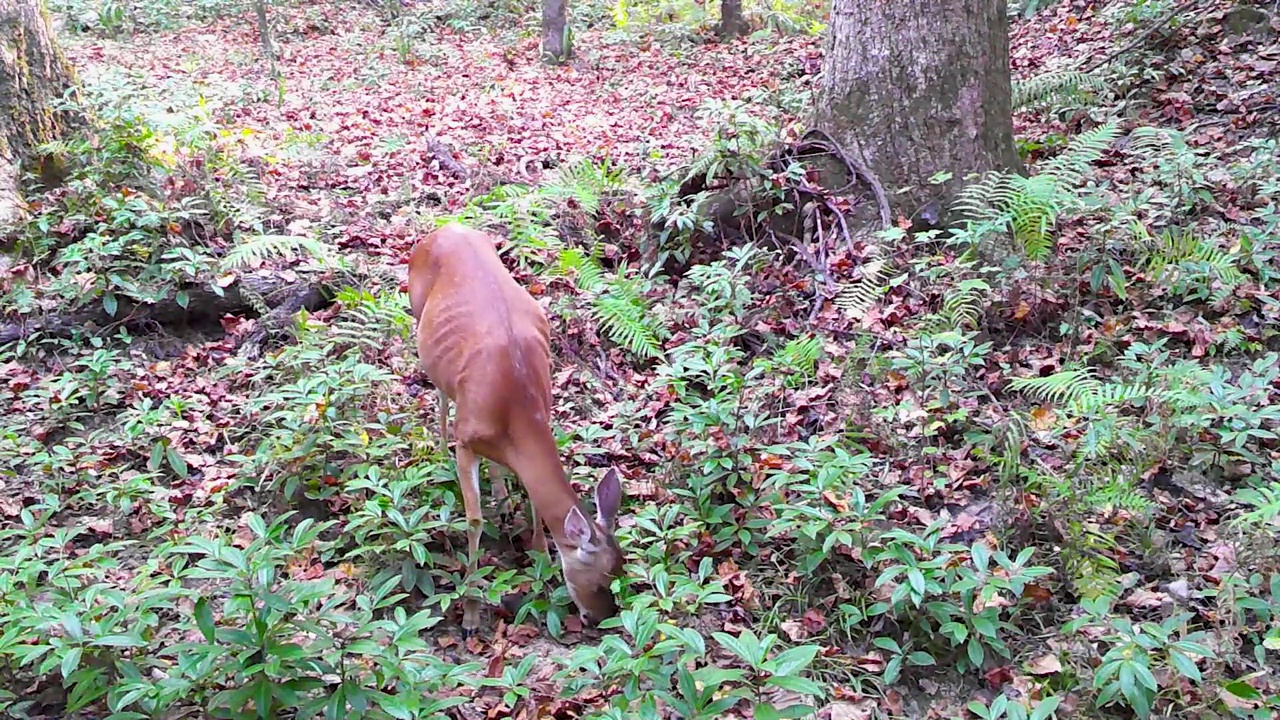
(826, 478)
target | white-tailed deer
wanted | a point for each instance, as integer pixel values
(485, 343)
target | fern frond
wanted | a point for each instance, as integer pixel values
(367, 320)
(964, 305)
(1054, 87)
(1072, 164)
(586, 272)
(584, 182)
(1151, 141)
(1066, 387)
(1265, 501)
(856, 298)
(261, 247)
(623, 315)
(798, 357)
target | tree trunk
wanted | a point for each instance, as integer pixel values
(33, 74)
(914, 89)
(557, 45)
(732, 23)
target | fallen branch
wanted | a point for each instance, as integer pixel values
(445, 156)
(281, 293)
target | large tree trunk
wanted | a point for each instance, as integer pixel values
(919, 88)
(33, 74)
(732, 23)
(557, 46)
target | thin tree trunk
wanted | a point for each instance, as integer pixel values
(557, 45)
(732, 22)
(915, 89)
(264, 31)
(33, 74)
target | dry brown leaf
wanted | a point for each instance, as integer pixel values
(1045, 665)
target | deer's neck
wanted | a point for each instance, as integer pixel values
(535, 460)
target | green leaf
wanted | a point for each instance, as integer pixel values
(916, 578)
(110, 303)
(1143, 673)
(981, 555)
(920, 659)
(1185, 665)
(893, 669)
(120, 641)
(1242, 690)
(176, 462)
(984, 625)
(71, 661)
(205, 619)
(765, 711)
(1045, 708)
(795, 683)
(976, 653)
(793, 660)
(887, 643)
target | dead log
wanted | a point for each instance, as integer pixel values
(280, 293)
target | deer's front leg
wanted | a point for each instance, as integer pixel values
(469, 480)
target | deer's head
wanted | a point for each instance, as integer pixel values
(592, 558)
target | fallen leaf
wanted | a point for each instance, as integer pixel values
(1045, 665)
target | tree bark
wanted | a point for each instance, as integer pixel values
(33, 74)
(557, 45)
(914, 89)
(732, 22)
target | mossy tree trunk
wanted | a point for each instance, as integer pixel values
(732, 21)
(919, 88)
(33, 75)
(557, 45)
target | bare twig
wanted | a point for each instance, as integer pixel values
(844, 226)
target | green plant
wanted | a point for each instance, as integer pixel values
(616, 303)
(1003, 707)
(1029, 207)
(1125, 673)
(1054, 87)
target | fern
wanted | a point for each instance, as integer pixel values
(1265, 501)
(797, 360)
(856, 298)
(1091, 571)
(1061, 388)
(1189, 263)
(586, 272)
(616, 303)
(1029, 207)
(367, 320)
(1082, 394)
(623, 314)
(583, 182)
(800, 354)
(261, 247)
(964, 306)
(1054, 86)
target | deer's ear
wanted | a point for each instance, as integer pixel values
(577, 529)
(608, 499)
